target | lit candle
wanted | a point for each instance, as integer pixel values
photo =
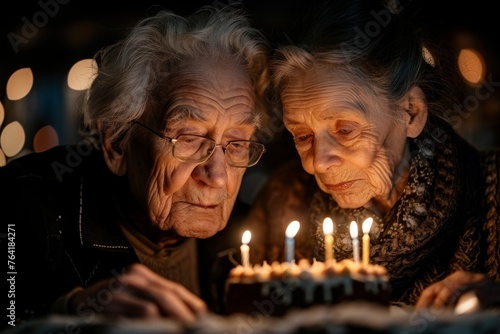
(328, 231)
(355, 241)
(367, 225)
(290, 233)
(245, 249)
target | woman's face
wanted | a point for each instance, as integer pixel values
(212, 99)
(344, 135)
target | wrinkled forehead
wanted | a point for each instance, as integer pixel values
(195, 84)
(330, 84)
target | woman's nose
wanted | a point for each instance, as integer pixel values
(327, 153)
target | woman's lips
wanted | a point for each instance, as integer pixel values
(340, 186)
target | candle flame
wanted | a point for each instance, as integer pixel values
(354, 229)
(245, 239)
(292, 229)
(327, 226)
(367, 225)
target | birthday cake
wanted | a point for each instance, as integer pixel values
(276, 288)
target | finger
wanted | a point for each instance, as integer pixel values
(454, 286)
(191, 300)
(170, 304)
(170, 297)
(175, 300)
(166, 300)
(463, 279)
(427, 297)
(444, 297)
(447, 291)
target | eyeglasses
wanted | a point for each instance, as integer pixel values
(198, 149)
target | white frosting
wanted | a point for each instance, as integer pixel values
(282, 279)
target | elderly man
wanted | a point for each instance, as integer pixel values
(110, 226)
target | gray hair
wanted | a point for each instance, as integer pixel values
(134, 73)
(387, 61)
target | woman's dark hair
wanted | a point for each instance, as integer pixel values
(375, 42)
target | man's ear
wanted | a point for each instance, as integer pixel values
(114, 155)
(415, 105)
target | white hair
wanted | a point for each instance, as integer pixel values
(134, 73)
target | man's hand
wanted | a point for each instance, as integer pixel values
(446, 292)
(139, 293)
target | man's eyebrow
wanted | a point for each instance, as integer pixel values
(253, 119)
(183, 113)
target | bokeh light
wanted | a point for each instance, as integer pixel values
(428, 57)
(3, 160)
(471, 65)
(12, 139)
(45, 138)
(2, 113)
(81, 74)
(19, 84)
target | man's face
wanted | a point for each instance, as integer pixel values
(344, 135)
(211, 99)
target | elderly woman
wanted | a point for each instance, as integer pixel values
(112, 228)
(368, 113)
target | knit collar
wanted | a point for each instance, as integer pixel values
(423, 238)
(408, 213)
(406, 227)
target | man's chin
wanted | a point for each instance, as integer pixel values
(200, 230)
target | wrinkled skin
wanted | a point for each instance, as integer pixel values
(212, 99)
(215, 100)
(352, 140)
(346, 137)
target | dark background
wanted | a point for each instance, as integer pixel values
(76, 29)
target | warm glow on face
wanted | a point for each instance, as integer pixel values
(327, 226)
(292, 229)
(81, 74)
(19, 84)
(354, 229)
(12, 139)
(245, 239)
(367, 225)
(471, 66)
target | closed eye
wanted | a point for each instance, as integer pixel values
(301, 138)
(345, 131)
